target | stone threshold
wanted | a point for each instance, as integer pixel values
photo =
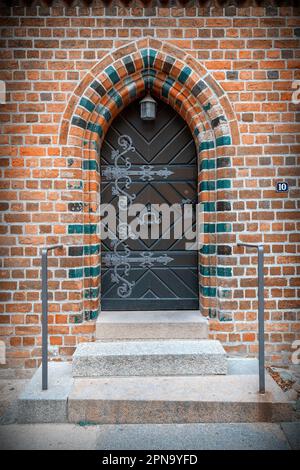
(132, 400)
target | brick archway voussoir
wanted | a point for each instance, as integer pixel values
(158, 56)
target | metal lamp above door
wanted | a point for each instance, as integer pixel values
(148, 108)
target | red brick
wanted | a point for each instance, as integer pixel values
(49, 57)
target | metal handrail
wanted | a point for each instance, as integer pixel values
(44, 263)
(261, 313)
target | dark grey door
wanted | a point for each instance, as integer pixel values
(158, 165)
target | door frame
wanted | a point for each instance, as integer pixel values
(117, 141)
(183, 82)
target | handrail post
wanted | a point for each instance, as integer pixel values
(44, 319)
(45, 314)
(261, 313)
(261, 319)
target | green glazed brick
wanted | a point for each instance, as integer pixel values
(152, 55)
(148, 56)
(207, 206)
(144, 54)
(208, 249)
(208, 164)
(222, 227)
(207, 185)
(93, 127)
(223, 184)
(75, 229)
(112, 74)
(207, 270)
(167, 85)
(223, 140)
(87, 229)
(91, 165)
(116, 97)
(209, 228)
(87, 104)
(90, 229)
(209, 144)
(208, 291)
(131, 87)
(92, 271)
(184, 74)
(219, 271)
(91, 249)
(75, 273)
(224, 271)
(103, 111)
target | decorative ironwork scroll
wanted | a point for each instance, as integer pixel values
(119, 173)
(124, 173)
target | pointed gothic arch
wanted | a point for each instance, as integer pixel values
(177, 78)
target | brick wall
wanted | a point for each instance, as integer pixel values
(251, 53)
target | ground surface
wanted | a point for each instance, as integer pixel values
(143, 437)
(9, 392)
(152, 436)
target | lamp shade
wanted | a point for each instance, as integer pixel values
(148, 108)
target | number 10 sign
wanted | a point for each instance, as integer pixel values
(282, 187)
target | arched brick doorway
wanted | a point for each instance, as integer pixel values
(179, 80)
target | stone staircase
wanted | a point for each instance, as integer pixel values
(166, 343)
(152, 367)
(164, 325)
(149, 358)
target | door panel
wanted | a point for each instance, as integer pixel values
(158, 273)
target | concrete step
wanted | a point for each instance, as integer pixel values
(191, 399)
(120, 400)
(164, 324)
(46, 406)
(127, 358)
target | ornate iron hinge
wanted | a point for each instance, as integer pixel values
(121, 175)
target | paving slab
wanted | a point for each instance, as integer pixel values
(164, 324)
(189, 399)
(10, 389)
(242, 366)
(209, 436)
(46, 406)
(292, 433)
(47, 437)
(135, 358)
